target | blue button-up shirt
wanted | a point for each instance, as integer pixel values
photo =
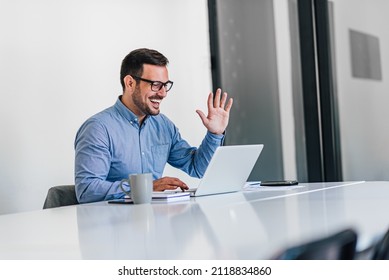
(111, 145)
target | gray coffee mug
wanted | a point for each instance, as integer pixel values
(141, 187)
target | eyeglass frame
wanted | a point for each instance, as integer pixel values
(152, 83)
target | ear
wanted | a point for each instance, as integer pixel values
(129, 83)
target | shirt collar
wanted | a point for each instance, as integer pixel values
(127, 113)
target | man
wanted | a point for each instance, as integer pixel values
(133, 137)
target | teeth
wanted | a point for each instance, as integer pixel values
(156, 100)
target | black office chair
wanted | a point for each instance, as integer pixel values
(60, 196)
(339, 246)
(381, 248)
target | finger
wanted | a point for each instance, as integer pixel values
(170, 187)
(210, 101)
(163, 187)
(216, 100)
(161, 183)
(229, 105)
(174, 182)
(202, 116)
(223, 100)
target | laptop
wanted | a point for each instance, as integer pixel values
(228, 169)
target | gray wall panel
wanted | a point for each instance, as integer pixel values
(248, 71)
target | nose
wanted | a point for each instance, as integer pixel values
(162, 92)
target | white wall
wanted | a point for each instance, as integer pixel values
(59, 64)
(363, 103)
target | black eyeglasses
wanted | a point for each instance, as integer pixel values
(156, 85)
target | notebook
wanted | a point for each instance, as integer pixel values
(168, 197)
(165, 197)
(228, 169)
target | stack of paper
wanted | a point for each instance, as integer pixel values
(170, 196)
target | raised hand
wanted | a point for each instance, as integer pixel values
(218, 112)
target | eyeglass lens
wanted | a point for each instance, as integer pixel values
(156, 86)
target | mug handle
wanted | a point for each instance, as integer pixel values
(121, 186)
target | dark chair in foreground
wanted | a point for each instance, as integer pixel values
(339, 246)
(381, 249)
(60, 196)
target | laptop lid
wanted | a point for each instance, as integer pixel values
(229, 169)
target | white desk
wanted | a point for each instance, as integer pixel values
(244, 225)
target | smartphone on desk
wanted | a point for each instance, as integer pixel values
(121, 201)
(281, 183)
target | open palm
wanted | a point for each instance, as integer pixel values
(218, 112)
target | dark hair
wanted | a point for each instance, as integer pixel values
(132, 64)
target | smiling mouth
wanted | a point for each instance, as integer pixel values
(156, 102)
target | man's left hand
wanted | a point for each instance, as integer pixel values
(218, 112)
